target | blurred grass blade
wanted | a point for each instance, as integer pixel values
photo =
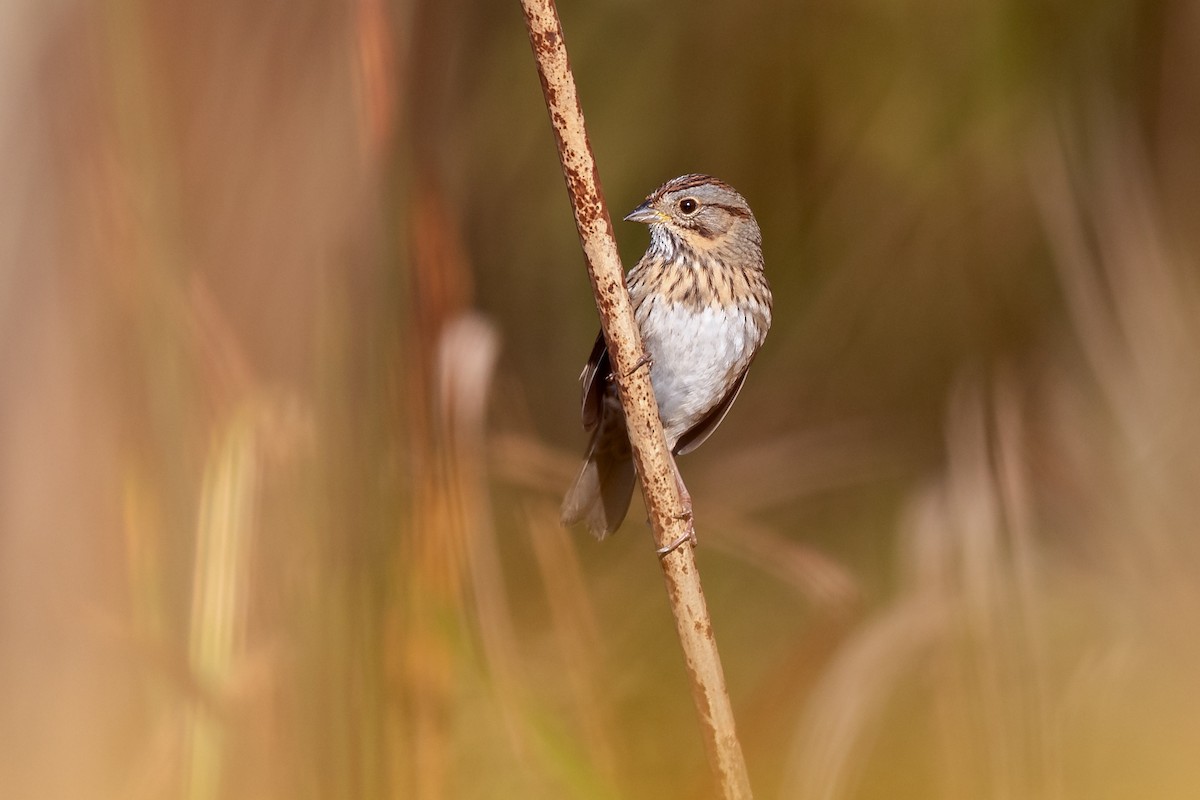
(224, 535)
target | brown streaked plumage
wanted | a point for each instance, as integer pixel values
(704, 307)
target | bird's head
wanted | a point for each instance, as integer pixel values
(701, 214)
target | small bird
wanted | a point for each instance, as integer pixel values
(703, 307)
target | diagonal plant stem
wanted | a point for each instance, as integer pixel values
(654, 462)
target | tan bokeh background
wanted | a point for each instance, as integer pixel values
(291, 311)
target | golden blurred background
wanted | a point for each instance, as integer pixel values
(291, 314)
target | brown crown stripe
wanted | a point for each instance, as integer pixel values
(691, 182)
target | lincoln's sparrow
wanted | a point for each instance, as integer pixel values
(703, 305)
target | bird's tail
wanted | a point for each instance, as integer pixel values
(600, 495)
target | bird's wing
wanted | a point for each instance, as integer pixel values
(594, 381)
(696, 435)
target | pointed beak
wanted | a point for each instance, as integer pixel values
(644, 213)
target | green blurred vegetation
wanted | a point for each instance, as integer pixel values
(292, 309)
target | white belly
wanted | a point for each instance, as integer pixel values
(697, 356)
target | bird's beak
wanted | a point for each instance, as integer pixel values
(644, 213)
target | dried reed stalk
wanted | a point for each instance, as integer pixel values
(653, 459)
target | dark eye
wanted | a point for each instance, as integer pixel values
(688, 206)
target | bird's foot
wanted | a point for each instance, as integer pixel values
(688, 536)
(644, 361)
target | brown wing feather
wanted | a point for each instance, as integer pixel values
(593, 390)
(696, 435)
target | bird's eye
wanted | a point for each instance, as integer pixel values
(688, 206)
